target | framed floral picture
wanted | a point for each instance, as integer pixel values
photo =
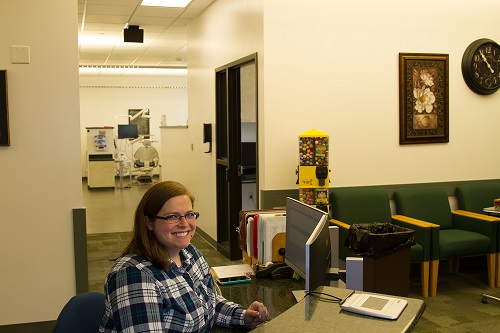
(423, 98)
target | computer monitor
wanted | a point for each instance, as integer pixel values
(249, 160)
(318, 256)
(249, 154)
(308, 249)
(129, 131)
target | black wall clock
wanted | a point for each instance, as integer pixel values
(481, 67)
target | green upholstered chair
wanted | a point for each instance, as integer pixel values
(362, 205)
(459, 234)
(474, 197)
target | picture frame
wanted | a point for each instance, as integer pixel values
(4, 110)
(423, 98)
(142, 123)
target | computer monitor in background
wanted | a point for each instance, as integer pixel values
(128, 131)
(308, 249)
(249, 154)
(249, 160)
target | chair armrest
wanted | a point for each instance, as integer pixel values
(414, 222)
(483, 224)
(426, 233)
(484, 217)
(339, 224)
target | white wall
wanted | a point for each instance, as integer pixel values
(40, 172)
(104, 98)
(227, 31)
(333, 66)
(337, 71)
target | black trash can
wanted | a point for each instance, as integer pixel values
(385, 249)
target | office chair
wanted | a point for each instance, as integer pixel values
(82, 314)
(146, 159)
(367, 205)
(460, 234)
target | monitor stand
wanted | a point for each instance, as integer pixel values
(299, 294)
(337, 279)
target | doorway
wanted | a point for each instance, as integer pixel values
(236, 149)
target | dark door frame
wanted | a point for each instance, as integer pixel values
(228, 154)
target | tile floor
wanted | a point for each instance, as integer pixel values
(110, 216)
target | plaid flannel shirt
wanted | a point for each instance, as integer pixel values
(143, 298)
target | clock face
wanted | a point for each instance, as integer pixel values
(481, 67)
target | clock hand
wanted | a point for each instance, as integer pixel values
(486, 61)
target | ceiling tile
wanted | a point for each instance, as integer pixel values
(165, 33)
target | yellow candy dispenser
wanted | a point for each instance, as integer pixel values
(313, 170)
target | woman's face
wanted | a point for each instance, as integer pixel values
(175, 236)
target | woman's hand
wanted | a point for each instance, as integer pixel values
(256, 314)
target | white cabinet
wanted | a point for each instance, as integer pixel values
(100, 159)
(101, 171)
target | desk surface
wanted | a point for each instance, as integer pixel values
(289, 316)
(275, 294)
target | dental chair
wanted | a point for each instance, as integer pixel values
(145, 160)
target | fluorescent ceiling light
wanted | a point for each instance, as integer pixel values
(166, 3)
(132, 71)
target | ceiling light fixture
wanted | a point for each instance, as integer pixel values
(131, 70)
(166, 3)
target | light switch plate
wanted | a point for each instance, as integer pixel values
(20, 54)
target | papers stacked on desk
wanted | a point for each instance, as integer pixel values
(232, 274)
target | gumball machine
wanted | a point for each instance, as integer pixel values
(313, 170)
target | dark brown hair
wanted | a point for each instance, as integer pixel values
(143, 240)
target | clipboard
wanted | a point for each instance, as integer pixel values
(232, 274)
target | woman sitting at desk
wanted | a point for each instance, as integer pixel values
(161, 282)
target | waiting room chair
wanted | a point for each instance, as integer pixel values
(146, 159)
(82, 314)
(362, 205)
(459, 234)
(474, 197)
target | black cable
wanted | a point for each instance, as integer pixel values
(319, 293)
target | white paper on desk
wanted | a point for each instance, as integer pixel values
(229, 271)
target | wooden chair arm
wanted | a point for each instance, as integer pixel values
(416, 222)
(478, 216)
(340, 224)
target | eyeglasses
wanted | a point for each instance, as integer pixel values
(176, 218)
